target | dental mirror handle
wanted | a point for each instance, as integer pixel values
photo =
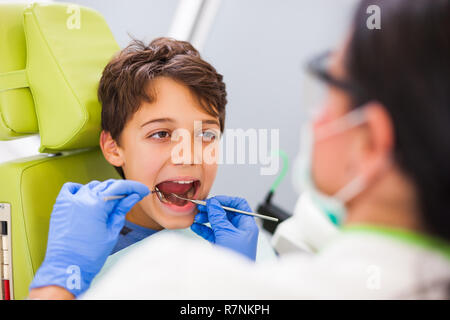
(113, 198)
(107, 198)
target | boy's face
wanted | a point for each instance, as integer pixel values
(146, 148)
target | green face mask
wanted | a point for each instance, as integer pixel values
(331, 206)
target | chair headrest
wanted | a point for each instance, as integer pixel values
(17, 114)
(67, 48)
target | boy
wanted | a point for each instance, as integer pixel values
(150, 96)
(149, 93)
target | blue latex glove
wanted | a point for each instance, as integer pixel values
(83, 231)
(235, 231)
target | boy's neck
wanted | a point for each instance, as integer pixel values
(137, 216)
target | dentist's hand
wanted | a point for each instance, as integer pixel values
(235, 231)
(83, 231)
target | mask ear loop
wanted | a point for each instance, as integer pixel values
(352, 119)
(354, 187)
(351, 190)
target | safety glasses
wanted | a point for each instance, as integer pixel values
(319, 67)
(319, 80)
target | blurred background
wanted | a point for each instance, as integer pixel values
(259, 46)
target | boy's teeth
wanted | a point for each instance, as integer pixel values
(166, 190)
(184, 181)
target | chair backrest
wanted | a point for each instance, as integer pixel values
(50, 65)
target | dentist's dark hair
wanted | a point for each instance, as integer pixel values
(405, 66)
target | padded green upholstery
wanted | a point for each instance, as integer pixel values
(62, 66)
(31, 189)
(64, 63)
(17, 114)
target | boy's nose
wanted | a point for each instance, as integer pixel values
(185, 153)
(197, 151)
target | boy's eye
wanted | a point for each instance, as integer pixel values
(208, 136)
(160, 135)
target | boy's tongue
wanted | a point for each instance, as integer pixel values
(173, 187)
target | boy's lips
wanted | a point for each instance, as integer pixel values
(186, 187)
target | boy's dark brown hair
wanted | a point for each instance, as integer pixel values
(124, 82)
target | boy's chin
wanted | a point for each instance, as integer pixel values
(181, 222)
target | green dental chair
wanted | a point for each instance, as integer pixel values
(51, 59)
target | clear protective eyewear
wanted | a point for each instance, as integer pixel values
(319, 80)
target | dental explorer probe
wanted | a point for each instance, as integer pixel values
(202, 202)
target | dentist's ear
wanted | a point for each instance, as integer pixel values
(380, 139)
(111, 150)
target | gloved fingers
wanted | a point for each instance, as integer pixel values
(234, 202)
(91, 185)
(122, 187)
(201, 217)
(238, 220)
(116, 223)
(116, 219)
(202, 208)
(203, 231)
(241, 221)
(70, 187)
(126, 204)
(244, 222)
(102, 186)
(216, 215)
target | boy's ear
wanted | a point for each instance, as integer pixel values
(110, 149)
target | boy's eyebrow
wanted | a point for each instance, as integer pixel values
(172, 120)
(211, 122)
(158, 120)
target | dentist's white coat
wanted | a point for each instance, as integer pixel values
(358, 264)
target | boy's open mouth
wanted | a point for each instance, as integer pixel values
(183, 188)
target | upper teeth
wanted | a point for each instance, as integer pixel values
(183, 181)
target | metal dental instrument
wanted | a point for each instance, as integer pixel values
(122, 196)
(204, 204)
(230, 209)
(113, 198)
